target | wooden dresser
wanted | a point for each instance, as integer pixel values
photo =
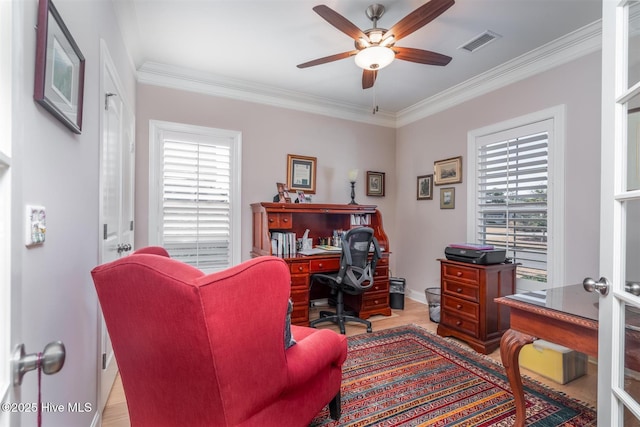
(321, 220)
(467, 308)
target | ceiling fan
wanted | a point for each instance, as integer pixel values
(375, 47)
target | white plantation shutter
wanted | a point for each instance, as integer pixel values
(197, 195)
(512, 200)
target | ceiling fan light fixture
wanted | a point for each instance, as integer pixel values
(374, 57)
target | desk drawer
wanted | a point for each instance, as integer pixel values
(373, 300)
(279, 220)
(380, 286)
(461, 273)
(381, 273)
(460, 289)
(460, 307)
(461, 323)
(322, 265)
(299, 267)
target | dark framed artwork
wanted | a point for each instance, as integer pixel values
(448, 198)
(301, 173)
(59, 73)
(425, 187)
(448, 171)
(375, 184)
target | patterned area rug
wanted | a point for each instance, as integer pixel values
(407, 376)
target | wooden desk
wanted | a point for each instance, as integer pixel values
(321, 220)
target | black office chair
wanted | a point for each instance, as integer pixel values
(354, 277)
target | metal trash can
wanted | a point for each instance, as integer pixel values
(396, 292)
(433, 300)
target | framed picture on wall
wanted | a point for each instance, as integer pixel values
(59, 73)
(448, 171)
(425, 187)
(448, 198)
(301, 173)
(375, 184)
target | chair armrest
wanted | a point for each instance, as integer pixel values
(314, 352)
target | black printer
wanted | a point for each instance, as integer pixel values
(475, 253)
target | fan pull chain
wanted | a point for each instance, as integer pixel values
(375, 105)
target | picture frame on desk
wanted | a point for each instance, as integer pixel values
(283, 193)
(301, 173)
(448, 171)
(425, 187)
(375, 184)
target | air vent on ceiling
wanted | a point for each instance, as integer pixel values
(480, 41)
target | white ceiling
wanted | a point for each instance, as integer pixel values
(258, 43)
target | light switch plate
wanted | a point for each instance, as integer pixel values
(35, 225)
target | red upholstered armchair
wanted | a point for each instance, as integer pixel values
(209, 350)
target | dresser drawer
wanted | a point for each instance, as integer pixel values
(300, 282)
(380, 286)
(460, 323)
(458, 272)
(381, 273)
(460, 289)
(322, 265)
(460, 307)
(279, 220)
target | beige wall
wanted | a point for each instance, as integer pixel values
(424, 230)
(268, 135)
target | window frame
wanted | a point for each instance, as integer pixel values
(156, 130)
(553, 122)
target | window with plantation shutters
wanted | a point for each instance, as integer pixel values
(512, 201)
(515, 194)
(196, 194)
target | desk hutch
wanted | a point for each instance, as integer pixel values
(321, 220)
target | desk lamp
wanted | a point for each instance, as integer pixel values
(353, 174)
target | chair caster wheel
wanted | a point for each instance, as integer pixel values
(369, 330)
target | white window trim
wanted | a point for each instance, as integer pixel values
(556, 184)
(156, 128)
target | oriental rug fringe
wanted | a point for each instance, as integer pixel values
(407, 376)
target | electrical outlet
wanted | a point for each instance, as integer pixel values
(35, 225)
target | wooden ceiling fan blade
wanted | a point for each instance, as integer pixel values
(419, 18)
(326, 59)
(340, 22)
(368, 78)
(421, 56)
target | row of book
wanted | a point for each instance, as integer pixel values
(283, 244)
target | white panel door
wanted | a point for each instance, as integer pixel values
(619, 314)
(116, 198)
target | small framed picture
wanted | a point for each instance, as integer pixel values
(375, 184)
(425, 187)
(301, 197)
(448, 198)
(448, 171)
(59, 73)
(283, 193)
(301, 173)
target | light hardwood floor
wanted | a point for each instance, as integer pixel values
(583, 389)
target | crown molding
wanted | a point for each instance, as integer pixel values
(194, 81)
(560, 51)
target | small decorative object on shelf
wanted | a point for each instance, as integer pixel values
(353, 175)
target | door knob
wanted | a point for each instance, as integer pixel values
(602, 285)
(51, 360)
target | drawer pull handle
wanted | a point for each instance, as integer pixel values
(320, 265)
(300, 268)
(458, 323)
(459, 273)
(459, 306)
(375, 302)
(459, 290)
(271, 220)
(285, 219)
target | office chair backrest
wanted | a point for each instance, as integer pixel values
(356, 270)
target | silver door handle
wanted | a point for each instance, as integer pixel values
(51, 360)
(602, 285)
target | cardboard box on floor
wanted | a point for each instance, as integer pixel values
(552, 361)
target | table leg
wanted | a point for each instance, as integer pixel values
(510, 346)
